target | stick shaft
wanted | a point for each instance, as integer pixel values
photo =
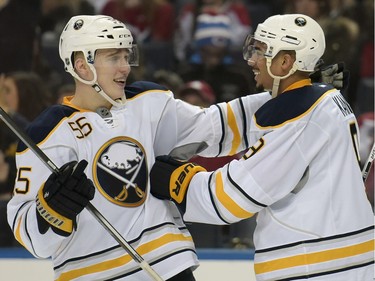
(117, 236)
(27, 141)
(95, 213)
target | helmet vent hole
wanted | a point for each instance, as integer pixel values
(110, 36)
(291, 37)
(271, 35)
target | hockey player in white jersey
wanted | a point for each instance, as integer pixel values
(105, 142)
(301, 175)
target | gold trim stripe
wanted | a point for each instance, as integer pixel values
(18, 233)
(233, 126)
(123, 260)
(227, 201)
(314, 258)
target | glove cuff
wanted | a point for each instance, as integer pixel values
(52, 217)
(180, 179)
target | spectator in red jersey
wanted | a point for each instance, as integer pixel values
(149, 21)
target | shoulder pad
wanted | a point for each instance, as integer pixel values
(290, 105)
(45, 123)
(142, 86)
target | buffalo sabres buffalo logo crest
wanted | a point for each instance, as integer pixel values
(300, 21)
(120, 172)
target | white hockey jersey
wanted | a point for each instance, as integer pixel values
(303, 180)
(120, 149)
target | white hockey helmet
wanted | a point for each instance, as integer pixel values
(296, 32)
(86, 34)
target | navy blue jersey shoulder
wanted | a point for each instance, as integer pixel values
(141, 86)
(45, 123)
(289, 105)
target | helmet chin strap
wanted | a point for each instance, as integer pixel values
(95, 85)
(277, 79)
(117, 103)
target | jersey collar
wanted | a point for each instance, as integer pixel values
(67, 100)
(299, 84)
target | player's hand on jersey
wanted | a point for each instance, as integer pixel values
(335, 74)
(170, 179)
(62, 197)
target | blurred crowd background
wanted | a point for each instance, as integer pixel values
(194, 47)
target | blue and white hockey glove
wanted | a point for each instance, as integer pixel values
(170, 179)
(62, 197)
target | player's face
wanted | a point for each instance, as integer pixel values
(257, 62)
(112, 67)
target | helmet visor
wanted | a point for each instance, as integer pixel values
(253, 49)
(117, 57)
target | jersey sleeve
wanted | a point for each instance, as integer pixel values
(246, 186)
(32, 173)
(220, 130)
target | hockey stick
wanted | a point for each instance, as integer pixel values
(95, 213)
(368, 164)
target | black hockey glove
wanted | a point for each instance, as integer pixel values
(170, 179)
(62, 197)
(335, 74)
